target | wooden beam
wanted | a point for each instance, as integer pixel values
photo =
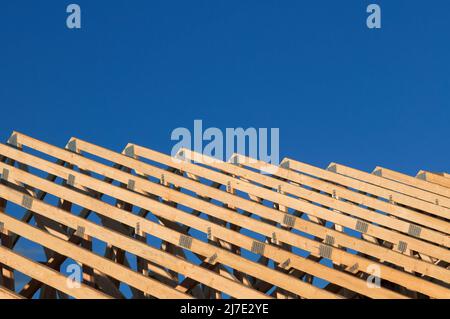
(334, 216)
(297, 171)
(292, 239)
(126, 275)
(398, 192)
(315, 268)
(155, 229)
(291, 207)
(47, 275)
(412, 181)
(434, 178)
(136, 247)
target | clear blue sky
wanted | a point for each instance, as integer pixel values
(138, 69)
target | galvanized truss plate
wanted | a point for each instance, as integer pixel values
(286, 263)
(332, 168)
(274, 238)
(185, 241)
(354, 268)
(129, 151)
(289, 220)
(414, 230)
(5, 174)
(163, 179)
(334, 194)
(234, 160)
(285, 165)
(377, 172)
(13, 140)
(181, 156)
(402, 246)
(391, 201)
(209, 232)
(72, 146)
(229, 187)
(362, 226)
(80, 231)
(325, 251)
(71, 180)
(137, 229)
(27, 201)
(131, 185)
(213, 258)
(329, 240)
(258, 247)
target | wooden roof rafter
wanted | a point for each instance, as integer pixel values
(224, 228)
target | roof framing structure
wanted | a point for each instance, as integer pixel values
(143, 224)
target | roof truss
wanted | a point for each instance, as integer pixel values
(175, 228)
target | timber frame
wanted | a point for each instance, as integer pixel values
(180, 227)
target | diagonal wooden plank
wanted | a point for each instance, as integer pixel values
(86, 257)
(401, 193)
(434, 178)
(47, 275)
(8, 294)
(135, 247)
(412, 181)
(290, 237)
